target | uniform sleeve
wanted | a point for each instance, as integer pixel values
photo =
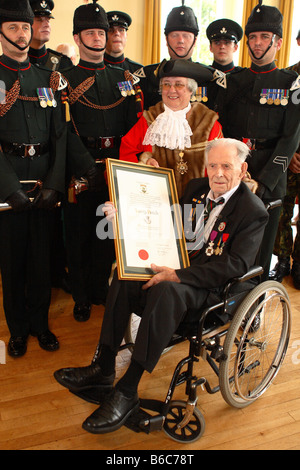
(132, 142)
(286, 146)
(55, 178)
(9, 181)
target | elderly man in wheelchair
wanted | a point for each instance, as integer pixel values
(201, 295)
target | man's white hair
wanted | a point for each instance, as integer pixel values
(242, 149)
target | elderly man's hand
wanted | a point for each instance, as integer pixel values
(162, 274)
(109, 210)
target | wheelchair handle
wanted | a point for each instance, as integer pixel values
(273, 204)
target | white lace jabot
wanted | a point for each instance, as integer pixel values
(170, 129)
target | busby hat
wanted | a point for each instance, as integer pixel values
(16, 10)
(224, 29)
(186, 68)
(182, 19)
(119, 18)
(298, 35)
(42, 7)
(91, 15)
(264, 18)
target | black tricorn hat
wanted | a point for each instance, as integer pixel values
(16, 10)
(264, 18)
(42, 7)
(182, 19)
(88, 16)
(119, 18)
(224, 29)
(186, 68)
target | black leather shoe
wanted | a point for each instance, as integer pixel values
(47, 341)
(281, 269)
(112, 414)
(17, 346)
(82, 378)
(82, 311)
(296, 275)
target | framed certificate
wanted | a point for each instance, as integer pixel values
(148, 225)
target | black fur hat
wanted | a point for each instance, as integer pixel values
(16, 10)
(182, 19)
(91, 15)
(264, 18)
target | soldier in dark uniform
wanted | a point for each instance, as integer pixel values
(32, 148)
(259, 108)
(42, 57)
(285, 247)
(103, 110)
(224, 36)
(119, 23)
(38, 53)
(181, 31)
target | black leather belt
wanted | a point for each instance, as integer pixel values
(260, 144)
(24, 150)
(99, 143)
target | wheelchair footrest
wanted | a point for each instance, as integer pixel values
(141, 421)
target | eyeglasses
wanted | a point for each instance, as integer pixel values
(178, 86)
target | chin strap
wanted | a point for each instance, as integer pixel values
(21, 48)
(182, 56)
(95, 49)
(269, 47)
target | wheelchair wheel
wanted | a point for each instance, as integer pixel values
(189, 432)
(255, 344)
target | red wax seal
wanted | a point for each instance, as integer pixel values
(143, 254)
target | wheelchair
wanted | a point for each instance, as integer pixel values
(245, 354)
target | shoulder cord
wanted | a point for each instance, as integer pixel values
(13, 94)
(77, 93)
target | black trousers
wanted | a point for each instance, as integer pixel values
(25, 269)
(89, 258)
(162, 308)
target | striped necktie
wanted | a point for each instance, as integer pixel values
(210, 206)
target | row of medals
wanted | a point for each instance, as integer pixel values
(46, 97)
(277, 97)
(126, 88)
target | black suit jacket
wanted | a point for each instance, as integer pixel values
(242, 220)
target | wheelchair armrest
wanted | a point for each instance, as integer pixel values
(253, 272)
(273, 204)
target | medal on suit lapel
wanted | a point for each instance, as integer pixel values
(210, 249)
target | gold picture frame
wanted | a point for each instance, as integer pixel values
(148, 224)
